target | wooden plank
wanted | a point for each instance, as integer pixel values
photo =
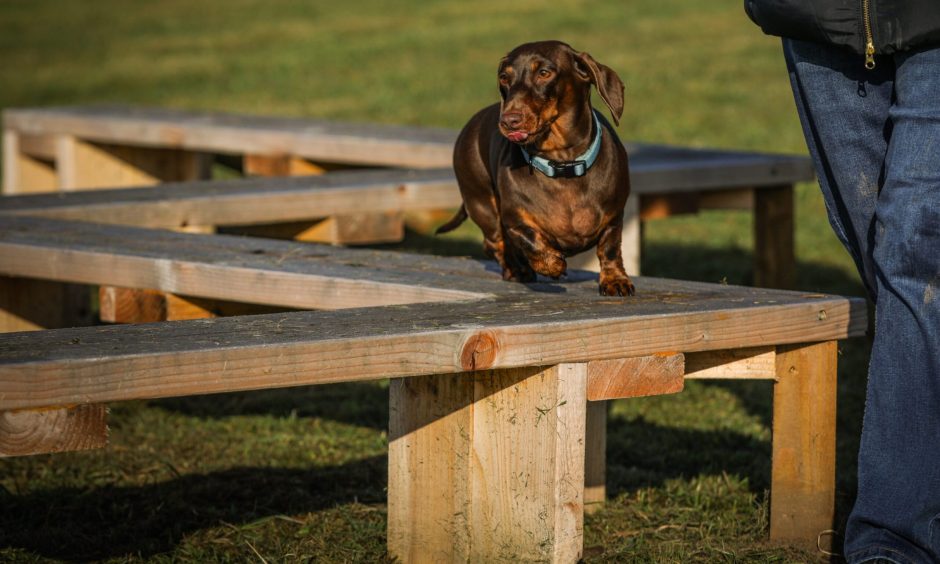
(655, 169)
(81, 164)
(658, 206)
(30, 305)
(317, 140)
(527, 326)
(229, 268)
(285, 165)
(757, 363)
(127, 305)
(60, 429)
(24, 173)
(509, 484)
(774, 255)
(738, 199)
(41, 147)
(250, 201)
(802, 500)
(634, 377)
(357, 229)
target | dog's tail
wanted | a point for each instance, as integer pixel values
(454, 222)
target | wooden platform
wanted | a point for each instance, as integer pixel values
(71, 148)
(491, 381)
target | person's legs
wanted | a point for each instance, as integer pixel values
(875, 140)
(843, 109)
(898, 503)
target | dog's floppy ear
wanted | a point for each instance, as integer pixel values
(608, 84)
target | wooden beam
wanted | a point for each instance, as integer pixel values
(634, 377)
(658, 206)
(240, 269)
(79, 427)
(774, 255)
(226, 133)
(802, 500)
(487, 466)
(758, 363)
(519, 328)
(735, 199)
(83, 164)
(30, 305)
(24, 173)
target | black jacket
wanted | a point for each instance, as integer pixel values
(890, 25)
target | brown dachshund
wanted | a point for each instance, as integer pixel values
(542, 173)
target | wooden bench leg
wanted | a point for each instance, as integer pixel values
(487, 466)
(775, 260)
(595, 456)
(802, 500)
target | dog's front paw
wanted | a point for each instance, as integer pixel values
(550, 264)
(616, 286)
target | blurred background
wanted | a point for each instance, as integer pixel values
(299, 475)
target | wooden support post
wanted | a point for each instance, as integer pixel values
(595, 456)
(774, 256)
(802, 500)
(24, 173)
(487, 466)
(82, 164)
(43, 431)
(620, 378)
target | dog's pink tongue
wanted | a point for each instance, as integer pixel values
(517, 136)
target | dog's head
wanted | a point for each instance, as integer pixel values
(538, 82)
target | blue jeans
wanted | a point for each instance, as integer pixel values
(875, 139)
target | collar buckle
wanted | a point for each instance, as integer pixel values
(569, 169)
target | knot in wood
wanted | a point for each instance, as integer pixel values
(479, 351)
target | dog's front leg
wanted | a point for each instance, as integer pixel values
(538, 250)
(613, 278)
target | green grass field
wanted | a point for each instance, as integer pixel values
(299, 475)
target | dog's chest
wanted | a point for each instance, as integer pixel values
(573, 217)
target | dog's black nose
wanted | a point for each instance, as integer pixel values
(512, 120)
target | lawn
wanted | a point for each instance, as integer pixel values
(299, 475)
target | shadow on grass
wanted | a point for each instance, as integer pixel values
(78, 524)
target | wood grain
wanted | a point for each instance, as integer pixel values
(758, 363)
(223, 267)
(774, 254)
(509, 484)
(650, 375)
(533, 326)
(802, 500)
(595, 456)
(24, 173)
(81, 165)
(61, 429)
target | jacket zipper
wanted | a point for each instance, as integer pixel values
(869, 37)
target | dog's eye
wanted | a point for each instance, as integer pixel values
(503, 78)
(545, 73)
